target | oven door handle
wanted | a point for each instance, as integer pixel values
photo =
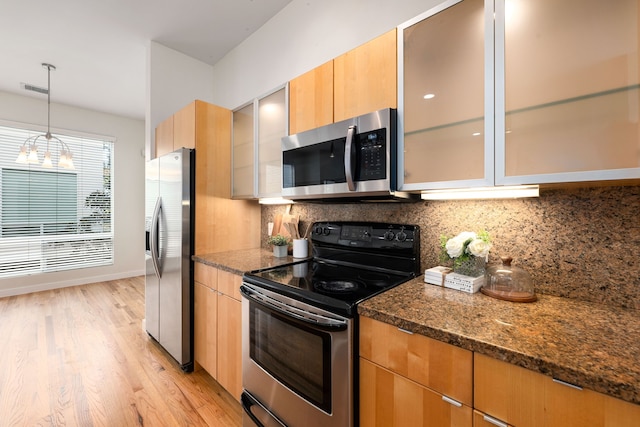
(317, 320)
(249, 401)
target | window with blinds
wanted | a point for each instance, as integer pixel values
(53, 218)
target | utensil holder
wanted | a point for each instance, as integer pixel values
(300, 248)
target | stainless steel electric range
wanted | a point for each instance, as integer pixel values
(299, 322)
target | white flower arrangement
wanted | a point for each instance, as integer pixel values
(465, 245)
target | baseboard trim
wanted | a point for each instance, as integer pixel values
(27, 289)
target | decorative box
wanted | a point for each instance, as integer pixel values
(436, 275)
(463, 283)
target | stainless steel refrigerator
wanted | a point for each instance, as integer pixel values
(169, 211)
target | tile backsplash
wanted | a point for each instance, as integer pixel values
(581, 243)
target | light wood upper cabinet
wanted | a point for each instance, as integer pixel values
(207, 128)
(177, 131)
(185, 125)
(311, 99)
(365, 78)
(164, 137)
(358, 82)
(524, 398)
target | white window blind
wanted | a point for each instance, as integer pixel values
(54, 219)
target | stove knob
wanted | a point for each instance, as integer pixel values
(402, 236)
(318, 230)
(388, 235)
(326, 231)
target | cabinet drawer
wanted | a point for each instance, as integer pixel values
(483, 420)
(390, 400)
(229, 284)
(524, 398)
(507, 392)
(442, 367)
(205, 275)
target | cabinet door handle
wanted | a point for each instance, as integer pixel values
(577, 387)
(451, 401)
(405, 331)
(494, 421)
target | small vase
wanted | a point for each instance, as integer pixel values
(472, 267)
(280, 251)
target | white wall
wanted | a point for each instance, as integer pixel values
(173, 81)
(128, 188)
(305, 34)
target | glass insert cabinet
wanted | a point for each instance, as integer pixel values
(520, 91)
(258, 128)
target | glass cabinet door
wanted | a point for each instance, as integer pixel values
(272, 126)
(447, 137)
(243, 153)
(568, 93)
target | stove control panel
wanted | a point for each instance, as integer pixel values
(366, 235)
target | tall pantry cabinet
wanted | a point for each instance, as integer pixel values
(218, 219)
(221, 224)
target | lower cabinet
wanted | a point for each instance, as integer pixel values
(217, 326)
(520, 397)
(205, 327)
(230, 345)
(388, 399)
(484, 420)
(410, 380)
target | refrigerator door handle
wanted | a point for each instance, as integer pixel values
(155, 250)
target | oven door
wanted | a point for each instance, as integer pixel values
(297, 361)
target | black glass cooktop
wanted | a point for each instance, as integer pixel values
(352, 261)
(337, 288)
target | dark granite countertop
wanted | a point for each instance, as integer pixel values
(591, 345)
(243, 260)
(587, 344)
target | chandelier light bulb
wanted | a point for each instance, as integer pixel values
(33, 155)
(46, 163)
(63, 159)
(70, 161)
(22, 156)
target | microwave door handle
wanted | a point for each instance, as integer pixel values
(350, 158)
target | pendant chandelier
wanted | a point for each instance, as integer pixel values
(31, 144)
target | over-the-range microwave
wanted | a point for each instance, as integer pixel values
(351, 160)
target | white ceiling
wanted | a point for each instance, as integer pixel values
(99, 47)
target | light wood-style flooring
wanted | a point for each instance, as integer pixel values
(79, 356)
